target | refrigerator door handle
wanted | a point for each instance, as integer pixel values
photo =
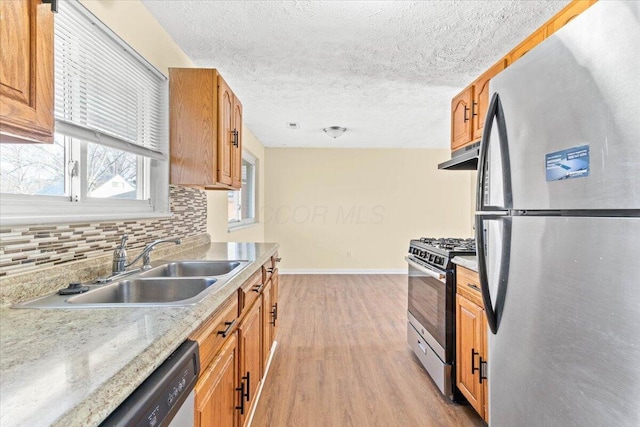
(495, 112)
(493, 312)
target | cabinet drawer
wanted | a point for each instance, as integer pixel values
(468, 285)
(250, 291)
(216, 329)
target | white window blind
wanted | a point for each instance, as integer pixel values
(102, 95)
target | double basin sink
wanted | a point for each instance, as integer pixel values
(174, 283)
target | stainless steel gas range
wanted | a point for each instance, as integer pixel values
(431, 309)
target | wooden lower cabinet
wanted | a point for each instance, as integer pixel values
(471, 341)
(469, 318)
(251, 368)
(235, 343)
(275, 285)
(269, 316)
(216, 392)
(267, 320)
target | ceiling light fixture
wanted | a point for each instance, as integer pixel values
(334, 131)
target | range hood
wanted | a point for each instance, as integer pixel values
(466, 158)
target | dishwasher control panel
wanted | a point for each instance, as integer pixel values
(155, 402)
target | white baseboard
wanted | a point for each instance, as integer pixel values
(264, 378)
(332, 271)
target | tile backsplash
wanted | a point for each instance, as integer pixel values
(25, 248)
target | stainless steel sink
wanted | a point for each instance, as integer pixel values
(192, 269)
(170, 283)
(144, 291)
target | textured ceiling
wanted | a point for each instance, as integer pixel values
(386, 70)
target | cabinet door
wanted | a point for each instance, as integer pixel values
(216, 394)
(481, 98)
(529, 43)
(563, 17)
(193, 126)
(485, 356)
(236, 148)
(225, 131)
(26, 71)
(275, 285)
(267, 317)
(461, 119)
(250, 356)
(469, 321)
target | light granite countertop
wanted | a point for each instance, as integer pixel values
(470, 262)
(74, 367)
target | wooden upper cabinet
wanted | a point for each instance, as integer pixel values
(236, 149)
(461, 119)
(225, 131)
(529, 43)
(193, 126)
(481, 98)
(26, 72)
(202, 122)
(563, 17)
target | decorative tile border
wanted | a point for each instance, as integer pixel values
(31, 248)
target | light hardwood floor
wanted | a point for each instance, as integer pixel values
(342, 359)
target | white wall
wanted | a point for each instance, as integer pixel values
(357, 209)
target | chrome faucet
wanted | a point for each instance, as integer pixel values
(120, 254)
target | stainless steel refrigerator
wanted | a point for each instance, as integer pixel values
(558, 227)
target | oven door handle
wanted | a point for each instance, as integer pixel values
(433, 273)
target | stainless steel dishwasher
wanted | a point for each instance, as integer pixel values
(166, 397)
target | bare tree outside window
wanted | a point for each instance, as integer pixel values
(35, 169)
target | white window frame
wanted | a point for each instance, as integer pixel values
(246, 222)
(152, 179)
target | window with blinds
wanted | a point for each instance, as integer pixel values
(105, 92)
(109, 157)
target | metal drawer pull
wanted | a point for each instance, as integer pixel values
(241, 390)
(483, 370)
(228, 329)
(474, 287)
(274, 314)
(474, 353)
(278, 259)
(258, 288)
(54, 5)
(248, 379)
